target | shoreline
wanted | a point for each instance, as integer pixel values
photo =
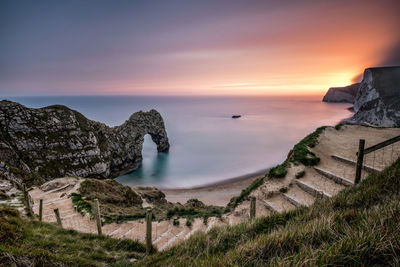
(218, 193)
(222, 182)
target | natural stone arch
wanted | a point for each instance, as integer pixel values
(56, 141)
(132, 134)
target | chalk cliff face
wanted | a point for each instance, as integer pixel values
(378, 99)
(56, 141)
(345, 94)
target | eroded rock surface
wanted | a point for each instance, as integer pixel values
(378, 99)
(56, 141)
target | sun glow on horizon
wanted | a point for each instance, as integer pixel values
(244, 48)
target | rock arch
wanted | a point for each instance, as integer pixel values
(56, 141)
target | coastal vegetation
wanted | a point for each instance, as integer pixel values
(299, 154)
(300, 174)
(26, 242)
(338, 126)
(359, 226)
(244, 194)
(120, 203)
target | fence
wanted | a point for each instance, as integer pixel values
(362, 152)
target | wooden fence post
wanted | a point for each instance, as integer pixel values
(360, 159)
(149, 217)
(41, 210)
(252, 208)
(27, 202)
(98, 216)
(57, 213)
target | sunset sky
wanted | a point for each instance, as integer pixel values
(183, 47)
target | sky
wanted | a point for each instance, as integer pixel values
(188, 47)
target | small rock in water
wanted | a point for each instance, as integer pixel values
(236, 116)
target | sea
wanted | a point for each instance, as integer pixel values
(207, 145)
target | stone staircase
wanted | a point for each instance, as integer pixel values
(164, 233)
(318, 183)
(13, 197)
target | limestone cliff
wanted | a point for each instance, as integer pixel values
(56, 141)
(378, 99)
(345, 94)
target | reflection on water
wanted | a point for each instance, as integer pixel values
(154, 166)
(207, 145)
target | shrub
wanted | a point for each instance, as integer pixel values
(244, 194)
(300, 174)
(189, 222)
(338, 126)
(279, 171)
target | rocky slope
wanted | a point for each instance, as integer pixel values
(345, 94)
(55, 141)
(378, 99)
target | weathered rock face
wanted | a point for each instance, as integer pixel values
(378, 99)
(56, 141)
(345, 94)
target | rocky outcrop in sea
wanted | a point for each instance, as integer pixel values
(345, 94)
(378, 99)
(55, 141)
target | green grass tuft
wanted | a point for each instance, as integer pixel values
(300, 174)
(300, 153)
(338, 126)
(244, 194)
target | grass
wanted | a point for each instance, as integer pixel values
(279, 171)
(82, 205)
(120, 203)
(117, 202)
(194, 209)
(299, 154)
(244, 195)
(300, 174)
(302, 154)
(357, 227)
(338, 126)
(26, 242)
(283, 190)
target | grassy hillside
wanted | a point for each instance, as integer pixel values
(31, 243)
(359, 226)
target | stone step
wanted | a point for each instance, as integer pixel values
(128, 232)
(269, 206)
(161, 236)
(354, 163)
(299, 194)
(70, 216)
(312, 190)
(334, 177)
(173, 239)
(278, 203)
(294, 201)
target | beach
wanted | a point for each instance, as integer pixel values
(213, 194)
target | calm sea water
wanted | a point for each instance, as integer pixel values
(207, 145)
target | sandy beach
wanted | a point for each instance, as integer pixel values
(213, 194)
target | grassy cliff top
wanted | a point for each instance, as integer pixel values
(31, 243)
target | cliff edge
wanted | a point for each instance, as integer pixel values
(378, 99)
(55, 141)
(345, 94)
